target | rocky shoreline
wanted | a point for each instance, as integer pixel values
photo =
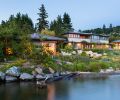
(14, 75)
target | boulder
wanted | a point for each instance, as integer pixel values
(69, 63)
(96, 55)
(34, 73)
(13, 71)
(110, 70)
(57, 74)
(39, 70)
(102, 71)
(89, 52)
(2, 76)
(63, 73)
(32, 66)
(74, 52)
(105, 54)
(40, 77)
(79, 51)
(51, 70)
(48, 76)
(26, 76)
(10, 79)
(65, 53)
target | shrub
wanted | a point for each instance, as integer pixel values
(68, 67)
(3, 69)
(27, 70)
(68, 49)
(94, 67)
(81, 67)
(104, 65)
(52, 64)
(83, 54)
(16, 63)
(1, 53)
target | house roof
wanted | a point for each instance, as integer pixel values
(87, 34)
(37, 36)
(116, 41)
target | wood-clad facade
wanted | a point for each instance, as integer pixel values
(87, 40)
(48, 42)
(116, 44)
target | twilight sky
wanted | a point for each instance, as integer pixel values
(85, 14)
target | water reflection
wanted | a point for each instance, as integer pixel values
(51, 92)
(29, 91)
(102, 89)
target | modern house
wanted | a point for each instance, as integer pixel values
(116, 44)
(87, 40)
(49, 42)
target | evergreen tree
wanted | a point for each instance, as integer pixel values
(43, 15)
(110, 28)
(52, 25)
(67, 23)
(114, 32)
(3, 23)
(104, 29)
(59, 21)
(57, 26)
(61, 25)
(11, 18)
(16, 26)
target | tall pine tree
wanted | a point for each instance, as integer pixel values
(57, 26)
(42, 20)
(67, 23)
(111, 28)
(104, 29)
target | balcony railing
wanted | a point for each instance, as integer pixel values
(78, 40)
(89, 40)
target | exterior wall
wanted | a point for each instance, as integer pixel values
(73, 36)
(87, 38)
(99, 39)
(49, 45)
(92, 41)
(104, 41)
(116, 46)
(89, 46)
(101, 46)
(78, 40)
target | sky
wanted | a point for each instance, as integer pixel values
(85, 14)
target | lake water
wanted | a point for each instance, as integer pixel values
(74, 89)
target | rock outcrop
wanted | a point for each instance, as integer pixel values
(2, 76)
(13, 71)
(26, 76)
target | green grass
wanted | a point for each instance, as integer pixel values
(17, 63)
